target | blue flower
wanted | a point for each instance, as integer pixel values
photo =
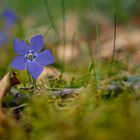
(30, 56)
(9, 17)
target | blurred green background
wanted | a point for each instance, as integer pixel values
(37, 13)
(124, 9)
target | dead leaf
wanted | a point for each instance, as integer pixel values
(4, 86)
(6, 83)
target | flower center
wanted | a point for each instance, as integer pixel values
(30, 55)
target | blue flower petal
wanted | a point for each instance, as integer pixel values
(46, 58)
(18, 63)
(37, 43)
(34, 69)
(20, 47)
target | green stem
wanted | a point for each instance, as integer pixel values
(34, 86)
(64, 30)
(114, 43)
(98, 73)
(50, 16)
(32, 81)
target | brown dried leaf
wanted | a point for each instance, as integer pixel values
(4, 86)
(6, 83)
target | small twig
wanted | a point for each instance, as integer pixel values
(19, 107)
(66, 92)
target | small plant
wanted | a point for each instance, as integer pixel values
(30, 57)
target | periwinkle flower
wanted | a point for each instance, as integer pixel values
(9, 17)
(31, 57)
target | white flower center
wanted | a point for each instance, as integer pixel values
(30, 55)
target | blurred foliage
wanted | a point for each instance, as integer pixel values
(124, 9)
(82, 117)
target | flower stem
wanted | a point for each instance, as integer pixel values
(34, 86)
(32, 81)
